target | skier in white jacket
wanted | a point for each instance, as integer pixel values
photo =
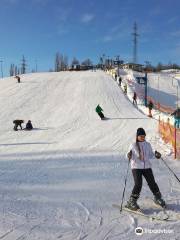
(140, 155)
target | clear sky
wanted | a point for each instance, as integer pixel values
(38, 29)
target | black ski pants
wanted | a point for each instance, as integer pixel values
(101, 115)
(148, 175)
(16, 126)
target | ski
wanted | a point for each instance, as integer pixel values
(169, 211)
(104, 118)
(141, 213)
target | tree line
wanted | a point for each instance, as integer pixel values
(160, 66)
(61, 63)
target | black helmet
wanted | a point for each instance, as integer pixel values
(140, 131)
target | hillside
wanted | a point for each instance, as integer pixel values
(60, 180)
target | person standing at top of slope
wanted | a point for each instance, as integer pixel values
(18, 78)
(99, 112)
(140, 155)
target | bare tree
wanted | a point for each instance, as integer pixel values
(16, 71)
(57, 62)
(11, 71)
(65, 61)
(87, 62)
(61, 62)
(75, 61)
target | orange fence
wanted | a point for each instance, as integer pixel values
(177, 143)
(170, 135)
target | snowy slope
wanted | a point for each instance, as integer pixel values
(60, 180)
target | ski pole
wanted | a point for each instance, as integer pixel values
(170, 169)
(124, 187)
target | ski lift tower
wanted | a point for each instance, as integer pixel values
(135, 36)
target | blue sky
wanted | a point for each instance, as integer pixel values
(38, 29)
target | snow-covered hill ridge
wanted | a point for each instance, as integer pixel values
(61, 107)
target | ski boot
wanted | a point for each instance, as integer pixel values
(159, 201)
(132, 203)
(104, 118)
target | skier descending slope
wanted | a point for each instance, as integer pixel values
(99, 112)
(139, 155)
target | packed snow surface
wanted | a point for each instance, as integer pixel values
(60, 180)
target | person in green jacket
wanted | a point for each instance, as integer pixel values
(99, 112)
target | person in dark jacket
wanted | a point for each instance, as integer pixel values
(135, 98)
(140, 155)
(120, 81)
(99, 112)
(17, 123)
(150, 107)
(125, 88)
(29, 125)
(18, 78)
(115, 76)
(176, 115)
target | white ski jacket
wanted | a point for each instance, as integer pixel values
(146, 155)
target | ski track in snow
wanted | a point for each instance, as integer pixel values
(60, 180)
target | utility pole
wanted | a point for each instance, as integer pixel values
(135, 35)
(108, 59)
(145, 89)
(23, 65)
(1, 61)
(36, 65)
(104, 60)
(118, 61)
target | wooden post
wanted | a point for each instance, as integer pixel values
(159, 125)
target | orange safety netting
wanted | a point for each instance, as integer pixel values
(178, 143)
(170, 135)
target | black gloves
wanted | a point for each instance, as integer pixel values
(129, 155)
(157, 155)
